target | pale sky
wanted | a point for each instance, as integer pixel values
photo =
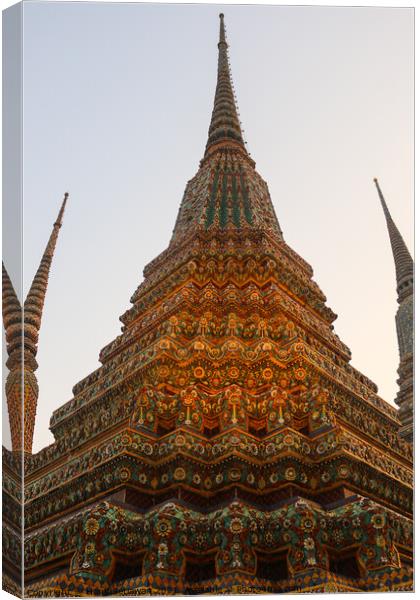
(117, 104)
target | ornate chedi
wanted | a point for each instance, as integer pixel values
(404, 269)
(225, 444)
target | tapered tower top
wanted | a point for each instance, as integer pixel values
(35, 299)
(403, 262)
(225, 128)
(404, 269)
(227, 193)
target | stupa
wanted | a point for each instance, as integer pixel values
(225, 444)
(404, 271)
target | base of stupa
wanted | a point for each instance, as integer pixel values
(314, 580)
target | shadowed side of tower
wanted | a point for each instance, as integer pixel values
(21, 329)
(13, 326)
(404, 271)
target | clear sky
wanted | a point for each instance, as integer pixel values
(117, 104)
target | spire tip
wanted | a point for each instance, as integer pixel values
(224, 125)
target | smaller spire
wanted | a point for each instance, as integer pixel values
(22, 344)
(404, 321)
(222, 35)
(403, 262)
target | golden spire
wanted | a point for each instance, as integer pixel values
(224, 125)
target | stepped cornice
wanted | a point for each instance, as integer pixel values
(101, 384)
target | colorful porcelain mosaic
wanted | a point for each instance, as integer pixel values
(225, 444)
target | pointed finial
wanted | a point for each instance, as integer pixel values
(60, 215)
(222, 35)
(381, 197)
